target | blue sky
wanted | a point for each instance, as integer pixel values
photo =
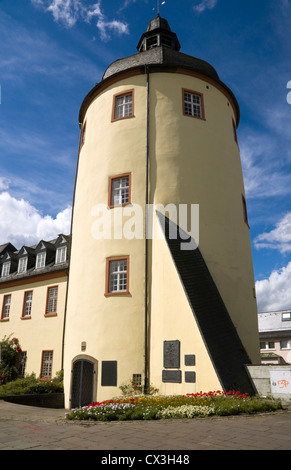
(52, 52)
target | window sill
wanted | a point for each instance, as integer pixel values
(122, 118)
(50, 314)
(4, 319)
(112, 206)
(201, 118)
(26, 318)
(112, 294)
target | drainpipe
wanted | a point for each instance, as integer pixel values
(146, 378)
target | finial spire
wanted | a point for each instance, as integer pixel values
(158, 6)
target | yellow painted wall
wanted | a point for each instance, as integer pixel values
(171, 320)
(191, 161)
(198, 161)
(112, 327)
(38, 333)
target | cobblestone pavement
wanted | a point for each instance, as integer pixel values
(32, 428)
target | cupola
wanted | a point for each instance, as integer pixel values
(158, 34)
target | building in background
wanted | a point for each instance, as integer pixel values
(159, 132)
(275, 337)
(33, 285)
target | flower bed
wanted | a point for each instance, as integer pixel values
(200, 404)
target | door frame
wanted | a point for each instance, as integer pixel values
(85, 357)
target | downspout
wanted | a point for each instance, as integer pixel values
(146, 378)
(69, 255)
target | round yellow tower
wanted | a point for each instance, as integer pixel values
(159, 162)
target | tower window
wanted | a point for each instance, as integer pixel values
(245, 211)
(117, 271)
(83, 134)
(193, 104)
(119, 190)
(152, 42)
(6, 307)
(123, 105)
(234, 131)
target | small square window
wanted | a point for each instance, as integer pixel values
(123, 105)
(193, 104)
(136, 379)
(117, 270)
(119, 190)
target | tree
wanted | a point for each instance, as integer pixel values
(10, 352)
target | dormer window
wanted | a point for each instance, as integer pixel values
(22, 265)
(5, 269)
(61, 254)
(40, 260)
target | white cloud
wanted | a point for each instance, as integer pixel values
(116, 26)
(205, 5)
(22, 224)
(69, 12)
(279, 238)
(274, 293)
(264, 166)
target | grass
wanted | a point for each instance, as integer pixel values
(144, 407)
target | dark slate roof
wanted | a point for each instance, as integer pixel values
(6, 247)
(220, 336)
(163, 56)
(31, 271)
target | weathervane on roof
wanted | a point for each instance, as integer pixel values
(158, 6)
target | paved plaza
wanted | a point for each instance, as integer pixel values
(33, 428)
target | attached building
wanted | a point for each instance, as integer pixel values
(33, 287)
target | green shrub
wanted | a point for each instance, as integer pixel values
(31, 385)
(10, 357)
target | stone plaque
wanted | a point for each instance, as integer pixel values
(109, 374)
(189, 359)
(190, 377)
(172, 354)
(173, 376)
